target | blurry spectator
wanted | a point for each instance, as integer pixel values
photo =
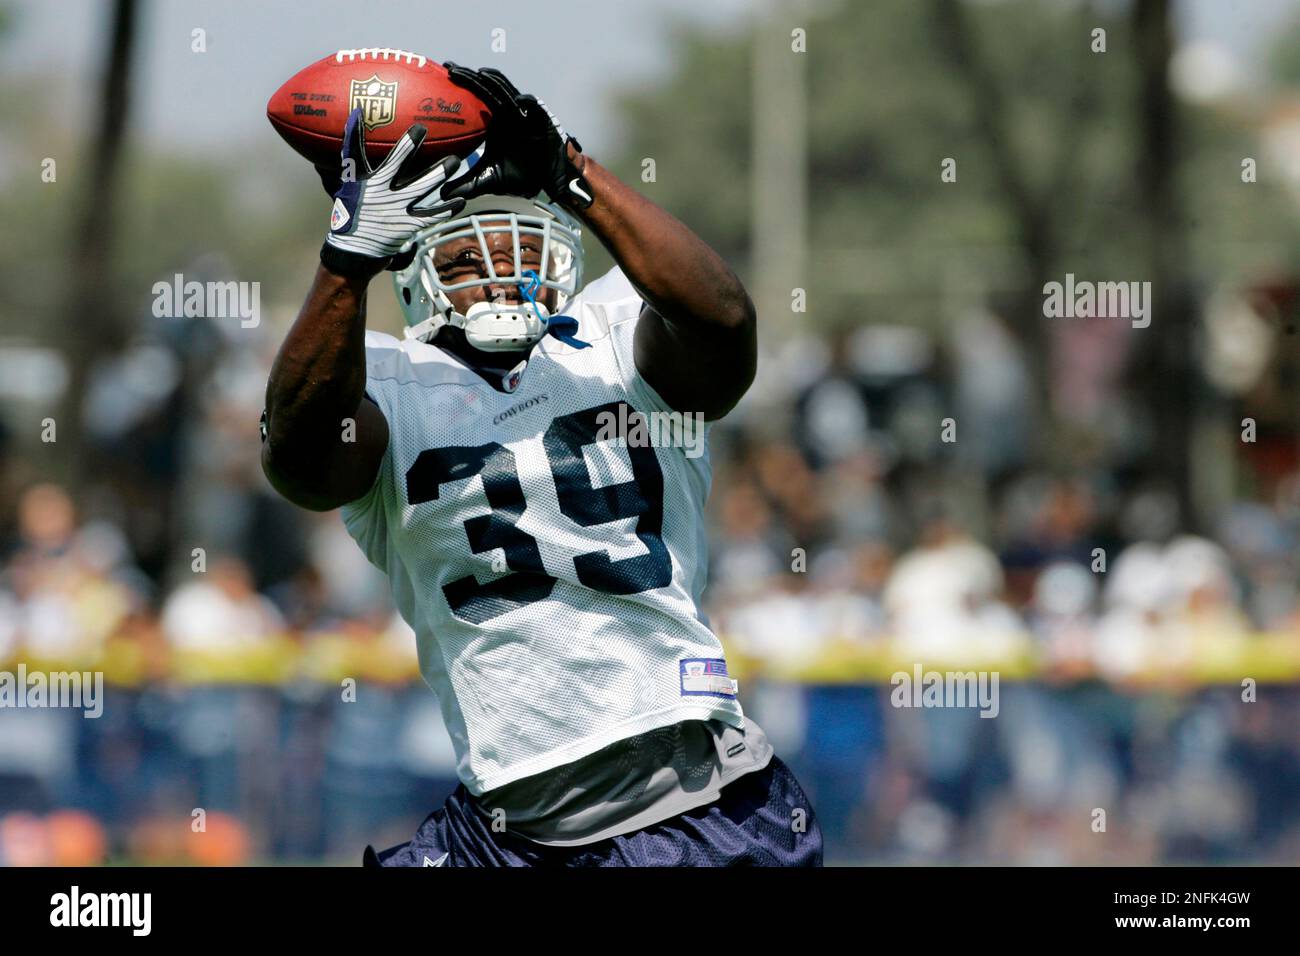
(832, 419)
(994, 395)
(1064, 615)
(71, 588)
(752, 548)
(219, 611)
(944, 598)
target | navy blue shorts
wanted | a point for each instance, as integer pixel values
(762, 819)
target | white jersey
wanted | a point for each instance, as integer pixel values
(552, 573)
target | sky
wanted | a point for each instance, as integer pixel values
(571, 53)
(575, 54)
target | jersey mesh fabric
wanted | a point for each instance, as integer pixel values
(552, 579)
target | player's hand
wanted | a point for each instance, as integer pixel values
(527, 149)
(376, 211)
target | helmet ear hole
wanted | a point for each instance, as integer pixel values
(406, 294)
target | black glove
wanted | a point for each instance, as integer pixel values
(526, 146)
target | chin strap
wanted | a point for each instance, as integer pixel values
(561, 327)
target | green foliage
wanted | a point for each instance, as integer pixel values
(887, 104)
(1284, 58)
(696, 128)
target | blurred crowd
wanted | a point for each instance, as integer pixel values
(850, 535)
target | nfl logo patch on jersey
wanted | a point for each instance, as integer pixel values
(339, 216)
(706, 676)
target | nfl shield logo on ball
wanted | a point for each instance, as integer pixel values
(377, 100)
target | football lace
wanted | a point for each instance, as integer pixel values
(380, 53)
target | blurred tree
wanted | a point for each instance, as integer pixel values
(1165, 378)
(1164, 371)
(1284, 57)
(1031, 180)
(100, 317)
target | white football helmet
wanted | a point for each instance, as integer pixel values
(493, 326)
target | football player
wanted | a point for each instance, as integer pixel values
(547, 548)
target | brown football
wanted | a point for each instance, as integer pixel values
(393, 88)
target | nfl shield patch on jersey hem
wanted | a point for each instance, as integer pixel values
(706, 677)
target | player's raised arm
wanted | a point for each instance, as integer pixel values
(322, 440)
(317, 385)
(696, 341)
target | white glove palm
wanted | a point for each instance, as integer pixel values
(376, 211)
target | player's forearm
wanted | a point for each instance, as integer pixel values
(673, 269)
(319, 375)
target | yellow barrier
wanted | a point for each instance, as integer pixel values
(376, 658)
